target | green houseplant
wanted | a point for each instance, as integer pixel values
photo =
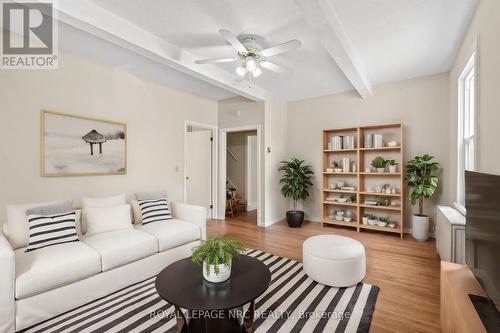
(393, 166)
(379, 163)
(423, 183)
(295, 182)
(215, 254)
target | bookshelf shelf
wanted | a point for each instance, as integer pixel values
(363, 156)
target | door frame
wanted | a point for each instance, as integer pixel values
(223, 170)
(248, 166)
(214, 181)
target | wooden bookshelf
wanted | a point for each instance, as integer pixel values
(360, 179)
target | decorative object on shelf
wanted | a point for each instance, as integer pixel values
(380, 201)
(368, 140)
(423, 183)
(393, 166)
(379, 163)
(372, 220)
(339, 216)
(216, 254)
(365, 218)
(392, 144)
(346, 164)
(349, 142)
(336, 166)
(353, 198)
(295, 183)
(340, 184)
(395, 203)
(391, 225)
(378, 141)
(337, 142)
(382, 221)
(368, 169)
(81, 146)
(354, 166)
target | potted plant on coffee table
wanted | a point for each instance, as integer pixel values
(216, 254)
(295, 183)
(420, 177)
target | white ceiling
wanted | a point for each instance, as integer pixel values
(393, 39)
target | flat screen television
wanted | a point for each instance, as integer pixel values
(482, 231)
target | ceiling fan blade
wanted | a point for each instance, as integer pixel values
(282, 48)
(231, 38)
(216, 60)
(275, 68)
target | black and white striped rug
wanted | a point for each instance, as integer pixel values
(292, 303)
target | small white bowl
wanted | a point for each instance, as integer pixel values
(347, 219)
(342, 199)
(382, 224)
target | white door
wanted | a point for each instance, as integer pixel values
(251, 181)
(199, 169)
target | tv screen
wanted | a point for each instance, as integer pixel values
(482, 230)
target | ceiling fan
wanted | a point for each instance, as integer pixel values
(250, 55)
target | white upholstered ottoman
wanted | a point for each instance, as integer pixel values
(335, 261)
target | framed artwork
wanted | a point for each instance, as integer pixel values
(81, 146)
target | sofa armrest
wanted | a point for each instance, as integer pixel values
(7, 283)
(193, 214)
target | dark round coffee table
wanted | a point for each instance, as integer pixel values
(213, 307)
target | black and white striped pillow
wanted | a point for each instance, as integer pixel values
(47, 230)
(154, 210)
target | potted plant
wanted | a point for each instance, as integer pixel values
(295, 184)
(383, 221)
(379, 163)
(216, 254)
(423, 182)
(353, 198)
(380, 201)
(372, 220)
(365, 218)
(393, 166)
(337, 166)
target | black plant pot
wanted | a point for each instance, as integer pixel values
(295, 218)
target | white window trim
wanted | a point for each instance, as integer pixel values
(471, 65)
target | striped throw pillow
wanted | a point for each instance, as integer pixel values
(47, 230)
(154, 210)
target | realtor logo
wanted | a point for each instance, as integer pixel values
(29, 32)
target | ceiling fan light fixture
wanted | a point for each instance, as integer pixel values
(251, 64)
(257, 72)
(241, 70)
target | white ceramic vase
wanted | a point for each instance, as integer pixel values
(393, 168)
(221, 276)
(420, 227)
(380, 170)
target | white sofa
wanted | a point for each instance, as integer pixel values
(38, 285)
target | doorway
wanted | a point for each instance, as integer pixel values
(239, 177)
(200, 149)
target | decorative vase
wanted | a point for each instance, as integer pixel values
(393, 168)
(295, 218)
(221, 276)
(420, 227)
(365, 220)
(380, 170)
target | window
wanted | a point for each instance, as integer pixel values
(466, 126)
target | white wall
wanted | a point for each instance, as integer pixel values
(155, 115)
(485, 28)
(421, 104)
(276, 140)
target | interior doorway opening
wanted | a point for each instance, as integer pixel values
(240, 174)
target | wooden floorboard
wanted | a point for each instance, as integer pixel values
(406, 271)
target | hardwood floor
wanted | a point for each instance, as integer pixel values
(406, 271)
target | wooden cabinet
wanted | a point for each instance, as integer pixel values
(458, 314)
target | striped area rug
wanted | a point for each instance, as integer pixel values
(292, 303)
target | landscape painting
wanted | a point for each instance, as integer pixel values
(81, 146)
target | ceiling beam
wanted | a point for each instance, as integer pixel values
(97, 21)
(321, 17)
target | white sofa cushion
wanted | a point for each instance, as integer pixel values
(53, 267)
(105, 219)
(118, 248)
(87, 202)
(172, 233)
(16, 228)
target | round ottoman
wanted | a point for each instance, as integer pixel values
(335, 261)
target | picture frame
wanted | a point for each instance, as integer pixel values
(72, 145)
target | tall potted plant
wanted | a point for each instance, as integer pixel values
(420, 176)
(295, 183)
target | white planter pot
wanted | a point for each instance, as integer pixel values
(211, 276)
(380, 170)
(365, 220)
(393, 168)
(420, 227)
(338, 170)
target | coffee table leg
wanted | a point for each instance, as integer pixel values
(249, 317)
(181, 320)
